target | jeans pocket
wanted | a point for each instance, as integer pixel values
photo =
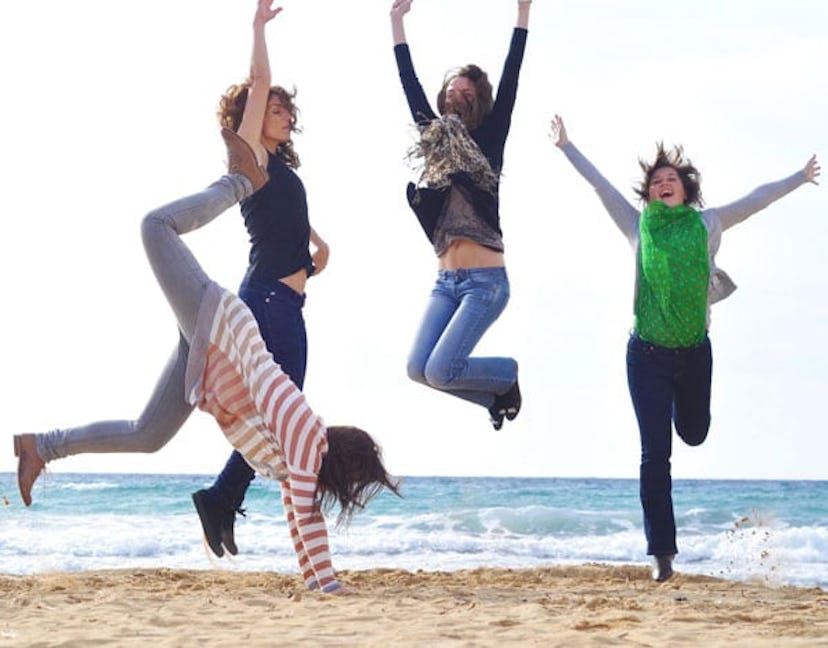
(490, 284)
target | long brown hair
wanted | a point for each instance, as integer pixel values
(231, 109)
(674, 159)
(484, 98)
(351, 473)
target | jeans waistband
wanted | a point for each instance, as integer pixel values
(273, 289)
(466, 273)
(639, 341)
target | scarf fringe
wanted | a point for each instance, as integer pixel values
(444, 149)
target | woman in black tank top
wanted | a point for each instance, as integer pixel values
(280, 260)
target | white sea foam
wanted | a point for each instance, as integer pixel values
(84, 523)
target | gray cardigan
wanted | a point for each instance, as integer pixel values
(716, 219)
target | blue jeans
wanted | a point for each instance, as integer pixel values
(278, 311)
(667, 386)
(462, 306)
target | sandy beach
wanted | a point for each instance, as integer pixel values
(556, 606)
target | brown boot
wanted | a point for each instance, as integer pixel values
(242, 160)
(29, 465)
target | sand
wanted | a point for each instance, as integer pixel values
(588, 605)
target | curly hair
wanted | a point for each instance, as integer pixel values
(351, 473)
(689, 174)
(484, 97)
(231, 109)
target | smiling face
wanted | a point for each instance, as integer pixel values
(666, 186)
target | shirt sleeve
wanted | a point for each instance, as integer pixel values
(308, 531)
(421, 110)
(626, 216)
(737, 211)
(507, 88)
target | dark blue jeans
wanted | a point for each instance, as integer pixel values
(278, 311)
(667, 386)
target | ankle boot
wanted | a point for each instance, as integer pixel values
(217, 523)
(242, 160)
(506, 406)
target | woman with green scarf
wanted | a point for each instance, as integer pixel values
(669, 360)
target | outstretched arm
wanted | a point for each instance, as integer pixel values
(250, 128)
(622, 212)
(310, 541)
(762, 196)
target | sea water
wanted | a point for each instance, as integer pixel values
(771, 531)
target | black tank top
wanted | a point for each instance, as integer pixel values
(276, 218)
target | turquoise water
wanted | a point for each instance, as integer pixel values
(773, 531)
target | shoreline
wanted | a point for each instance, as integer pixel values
(550, 606)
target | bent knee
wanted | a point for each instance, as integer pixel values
(416, 372)
(438, 376)
(152, 223)
(150, 438)
(694, 436)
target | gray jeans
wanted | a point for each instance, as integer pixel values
(183, 282)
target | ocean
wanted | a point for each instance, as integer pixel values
(775, 532)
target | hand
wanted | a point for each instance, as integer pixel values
(557, 132)
(400, 7)
(523, 7)
(344, 590)
(320, 257)
(812, 170)
(265, 13)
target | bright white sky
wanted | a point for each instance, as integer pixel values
(109, 112)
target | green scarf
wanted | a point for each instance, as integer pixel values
(673, 276)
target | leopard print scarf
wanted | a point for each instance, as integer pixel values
(446, 148)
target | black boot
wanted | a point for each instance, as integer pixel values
(217, 523)
(506, 405)
(495, 417)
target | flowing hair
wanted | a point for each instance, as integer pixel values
(231, 109)
(674, 159)
(473, 113)
(351, 473)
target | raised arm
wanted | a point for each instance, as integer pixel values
(398, 10)
(622, 212)
(252, 120)
(735, 212)
(421, 110)
(508, 84)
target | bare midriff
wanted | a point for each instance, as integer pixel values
(296, 281)
(465, 254)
